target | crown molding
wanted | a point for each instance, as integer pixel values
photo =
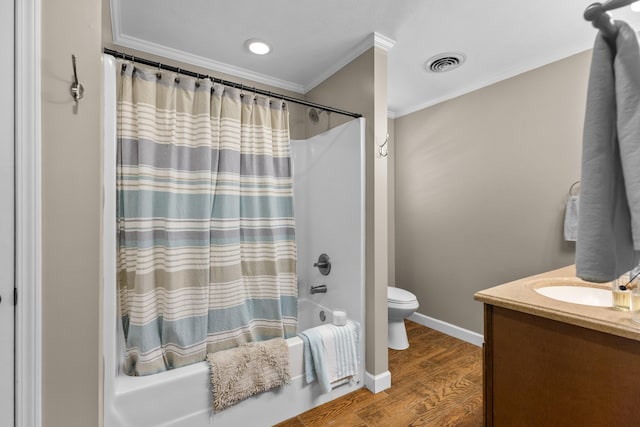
(383, 42)
(372, 40)
(489, 81)
(187, 58)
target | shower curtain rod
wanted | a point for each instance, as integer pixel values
(600, 19)
(228, 83)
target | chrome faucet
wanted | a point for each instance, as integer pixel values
(319, 289)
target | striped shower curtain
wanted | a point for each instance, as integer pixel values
(207, 252)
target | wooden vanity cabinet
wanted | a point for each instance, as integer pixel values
(541, 372)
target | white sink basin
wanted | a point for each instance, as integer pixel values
(577, 295)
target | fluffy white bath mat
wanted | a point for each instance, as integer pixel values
(247, 370)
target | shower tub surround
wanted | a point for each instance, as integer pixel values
(182, 397)
(328, 200)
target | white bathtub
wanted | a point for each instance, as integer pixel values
(181, 397)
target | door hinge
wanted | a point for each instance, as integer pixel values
(15, 296)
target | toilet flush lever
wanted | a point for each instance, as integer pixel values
(323, 264)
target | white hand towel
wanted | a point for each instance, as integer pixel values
(571, 219)
(331, 354)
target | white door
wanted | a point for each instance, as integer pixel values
(6, 215)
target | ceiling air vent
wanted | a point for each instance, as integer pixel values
(444, 62)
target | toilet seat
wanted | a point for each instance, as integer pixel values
(400, 297)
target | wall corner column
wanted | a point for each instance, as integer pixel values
(361, 86)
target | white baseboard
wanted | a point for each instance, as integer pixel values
(377, 383)
(449, 329)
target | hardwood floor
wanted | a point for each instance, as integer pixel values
(437, 381)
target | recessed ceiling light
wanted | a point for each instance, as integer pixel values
(257, 46)
(635, 7)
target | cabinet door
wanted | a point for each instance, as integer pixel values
(545, 372)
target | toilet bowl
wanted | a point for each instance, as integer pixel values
(400, 304)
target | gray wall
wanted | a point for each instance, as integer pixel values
(71, 210)
(481, 185)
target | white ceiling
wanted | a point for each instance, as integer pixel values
(313, 39)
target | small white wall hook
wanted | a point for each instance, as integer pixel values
(383, 150)
(77, 90)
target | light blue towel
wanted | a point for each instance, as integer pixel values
(331, 354)
(313, 354)
(608, 242)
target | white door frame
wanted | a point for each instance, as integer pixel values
(7, 229)
(28, 214)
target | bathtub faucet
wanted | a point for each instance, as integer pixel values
(320, 289)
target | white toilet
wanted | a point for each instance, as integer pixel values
(401, 304)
